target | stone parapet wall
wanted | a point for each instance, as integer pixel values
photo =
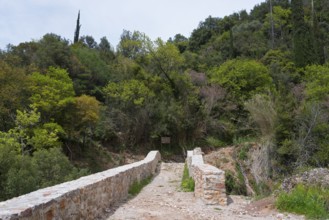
(85, 198)
(209, 180)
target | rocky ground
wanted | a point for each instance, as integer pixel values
(162, 199)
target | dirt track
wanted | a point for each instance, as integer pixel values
(162, 199)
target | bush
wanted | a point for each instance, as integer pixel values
(235, 185)
(187, 181)
(214, 142)
(243, 153)
(313, 202)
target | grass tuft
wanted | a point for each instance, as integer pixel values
(313, 202)
(187, 181)
(137, 186)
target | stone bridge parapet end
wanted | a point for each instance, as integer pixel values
(209, 180)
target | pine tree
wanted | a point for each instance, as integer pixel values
(77, 30)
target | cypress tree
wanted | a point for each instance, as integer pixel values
(318, 37)
(77, 29)
(303, 37)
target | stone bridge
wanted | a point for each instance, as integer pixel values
(90, 197)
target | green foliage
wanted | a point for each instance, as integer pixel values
(32, 135)
(303, 37)
(21, 178)
(133, 45)
(203, 33)
(262, 112)
(249, 40)
(8, 157)
(309, 201)
(234, 185)
(214, 142)
(281, 25)
(317, 82)
(243, 139)
(89, 71)
(282, 68)
(137, 186)
(243, 153)
(132, 91)
(46, 136)
(20, 174)
(51, 92)
(13, 92)
(196, 90)
(88, 109)
(52, 50)
(53, 167)
(187, 181)
(243, 78)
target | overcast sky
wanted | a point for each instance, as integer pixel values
(26, 20)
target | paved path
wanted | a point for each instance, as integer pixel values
(162, 199)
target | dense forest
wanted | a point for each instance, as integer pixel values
(261, 76)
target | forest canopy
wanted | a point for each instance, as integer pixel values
(262, 74)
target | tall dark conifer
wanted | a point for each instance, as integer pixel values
(303, 37)
(318, 37)
(77, 30)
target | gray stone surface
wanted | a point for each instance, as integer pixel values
(84, 198)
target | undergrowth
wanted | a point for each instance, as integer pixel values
(187, 181)
(313, 202)
(214, 142)
(137, 186)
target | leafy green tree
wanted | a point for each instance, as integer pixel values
(166, 61)
(201, 35)
(8, 157)
(53, 51)
(181, 42)
(51, 92)
(32, 135)
(90, 72)
(133, 45)
(243, 78)
(317, 82)
(132, 91)
(22, 55)
(53, 167)
(13, 93)
(282, 68)
(249, 39)
(21, 177)
(281, 25)
(88, 41)
(106, 50)
(82, 119)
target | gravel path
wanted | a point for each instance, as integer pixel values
(162, 199)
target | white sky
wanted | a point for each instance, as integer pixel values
(26, 20)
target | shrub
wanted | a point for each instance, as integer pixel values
(214, 142)
(313, 202)
(235, 185)
(243, 153)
